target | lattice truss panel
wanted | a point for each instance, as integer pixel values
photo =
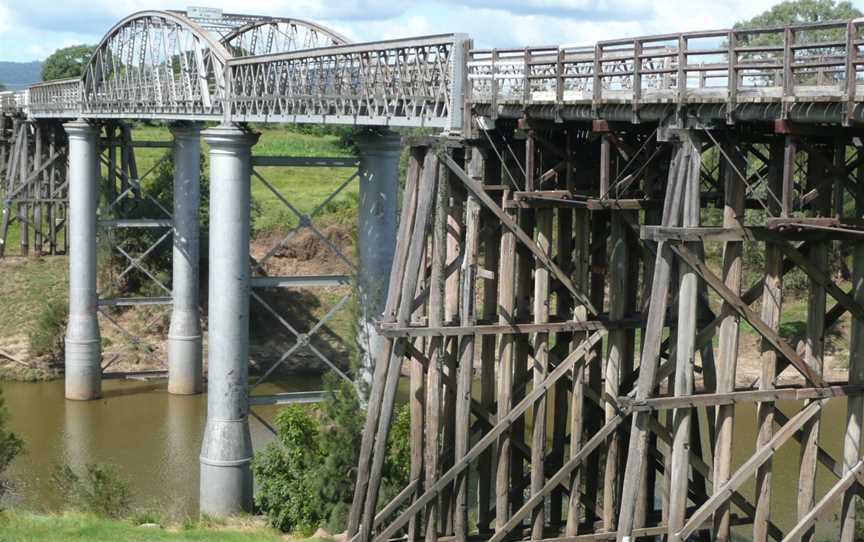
(596, 278)
(135, 232)
(159, 64)
(409, 81)
(307, 334)
(34, 191)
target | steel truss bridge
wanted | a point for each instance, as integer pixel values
(554, 230)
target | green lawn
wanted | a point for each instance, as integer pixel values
(304, 188)
(24, 527)
(25, 286)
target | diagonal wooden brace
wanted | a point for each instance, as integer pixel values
(523, 237)
(741, 307)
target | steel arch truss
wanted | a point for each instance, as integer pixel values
(156, 63)
(279, 35)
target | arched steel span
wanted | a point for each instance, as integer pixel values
(156, 61)
(279, 35)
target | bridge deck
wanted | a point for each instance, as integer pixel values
(811, 73)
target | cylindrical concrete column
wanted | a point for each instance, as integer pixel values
(184, 335)
(226, 453)
(379, 193)
(83, 342)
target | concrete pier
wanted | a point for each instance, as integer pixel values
(184, 335)
(83, 342)
(376, 241)
(226, 453)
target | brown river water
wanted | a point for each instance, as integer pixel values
(154, 439)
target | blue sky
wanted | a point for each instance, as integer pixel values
(31, 30)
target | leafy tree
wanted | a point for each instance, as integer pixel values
(67, 62)
(802, 11)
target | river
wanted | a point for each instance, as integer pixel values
(154, 439)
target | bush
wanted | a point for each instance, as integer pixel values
(285, 472)
(307, 478)
(46, 336)
(98, 490)
(10, 444)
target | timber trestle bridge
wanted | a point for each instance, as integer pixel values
(579, 251)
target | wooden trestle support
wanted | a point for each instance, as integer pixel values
(557, 272)
(33, 184)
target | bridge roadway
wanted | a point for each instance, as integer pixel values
(160, 65)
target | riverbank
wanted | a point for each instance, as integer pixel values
(75, 527)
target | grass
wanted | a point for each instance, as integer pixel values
(304, 188)
(75, 527)
(25, 285)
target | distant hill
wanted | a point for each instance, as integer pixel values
(17, 75)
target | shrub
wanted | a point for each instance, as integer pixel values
(307, 478)
(98, 490)
(285, 472)
(10, 444)
(48, 328)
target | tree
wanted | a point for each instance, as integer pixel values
(793, 12)
(67, 62)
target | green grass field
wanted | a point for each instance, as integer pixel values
(73, 527)
(304, 188)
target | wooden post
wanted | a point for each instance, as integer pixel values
(563, 344)
(465, 371)
(541, 369)
(855, 405)
(788, 191)
(594, 368)
(637, 454)
(23, 172)
(417, 407)
(451, 315)
(581, 270)
(38, 191)
(619, 285)
(506, 314)
(524, 268)
(733, 217)
(685, 347)
(436, 354)
(491, 234)
(814, 348)
(409, 203)
(771, 307)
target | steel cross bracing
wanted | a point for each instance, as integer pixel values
(129, 207)
(262, 284)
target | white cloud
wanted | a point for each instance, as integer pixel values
(32, 30)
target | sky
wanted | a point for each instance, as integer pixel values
(33, 29)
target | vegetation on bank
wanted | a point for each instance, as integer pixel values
(81, 527)
(306, 478)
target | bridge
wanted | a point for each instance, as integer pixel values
(553, 232)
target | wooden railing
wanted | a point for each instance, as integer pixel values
(816, 62)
